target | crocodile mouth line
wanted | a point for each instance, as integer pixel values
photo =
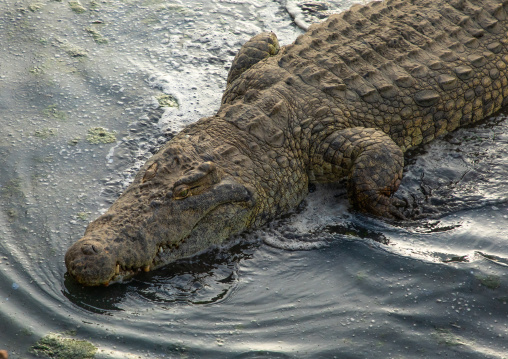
(160, 258)
(123, 272)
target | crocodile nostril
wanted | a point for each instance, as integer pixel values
(90, 249)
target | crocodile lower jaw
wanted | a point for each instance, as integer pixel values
(124, 272)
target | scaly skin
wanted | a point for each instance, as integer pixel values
(346, 100)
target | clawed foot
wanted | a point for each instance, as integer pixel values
(383, 206)
(397, 208)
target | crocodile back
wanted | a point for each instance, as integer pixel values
(414, 69)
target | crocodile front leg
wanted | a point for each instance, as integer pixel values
(372, 163)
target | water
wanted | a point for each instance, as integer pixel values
(321, 283)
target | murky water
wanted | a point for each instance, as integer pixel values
(321, 283)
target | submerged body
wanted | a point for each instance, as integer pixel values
(346, 100)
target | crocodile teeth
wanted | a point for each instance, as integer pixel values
(161, 250)
(146, 268)
(117, 269)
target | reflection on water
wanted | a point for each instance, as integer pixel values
(206, 278)
(322, 282)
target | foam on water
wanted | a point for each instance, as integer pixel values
(304, 229)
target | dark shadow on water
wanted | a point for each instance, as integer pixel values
(206, 278)
(453, 173)
(357, 231)
(100, 300)
(263, 355)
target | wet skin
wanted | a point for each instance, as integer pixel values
(346, 100)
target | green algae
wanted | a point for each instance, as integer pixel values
(45, 133)
(503, 300)
(361, 276)
(445, 337)
(27, 332)
(152, 2)
(74, 141)
(172, 8)
(70, 49)
(47, 159)
(12, 189)
(489, 281)
(12, 213)
(175, 7)
(53, 112)
(58, 347)
(167, 101)
(96, 35)
(77, 7)
(36, 6)
(98, 135)
(150, 21)
(76, 51)
(36, 70)
(83, 216)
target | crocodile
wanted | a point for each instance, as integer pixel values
(345, 101)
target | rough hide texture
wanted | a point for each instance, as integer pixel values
(346, 100)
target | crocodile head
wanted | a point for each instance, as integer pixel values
(177, 206)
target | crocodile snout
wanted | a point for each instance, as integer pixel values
(91, 249)
(89, 263)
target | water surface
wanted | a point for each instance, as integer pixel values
(323, 282)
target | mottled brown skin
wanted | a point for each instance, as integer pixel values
(346, 100)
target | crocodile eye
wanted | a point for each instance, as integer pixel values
(181, 192)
